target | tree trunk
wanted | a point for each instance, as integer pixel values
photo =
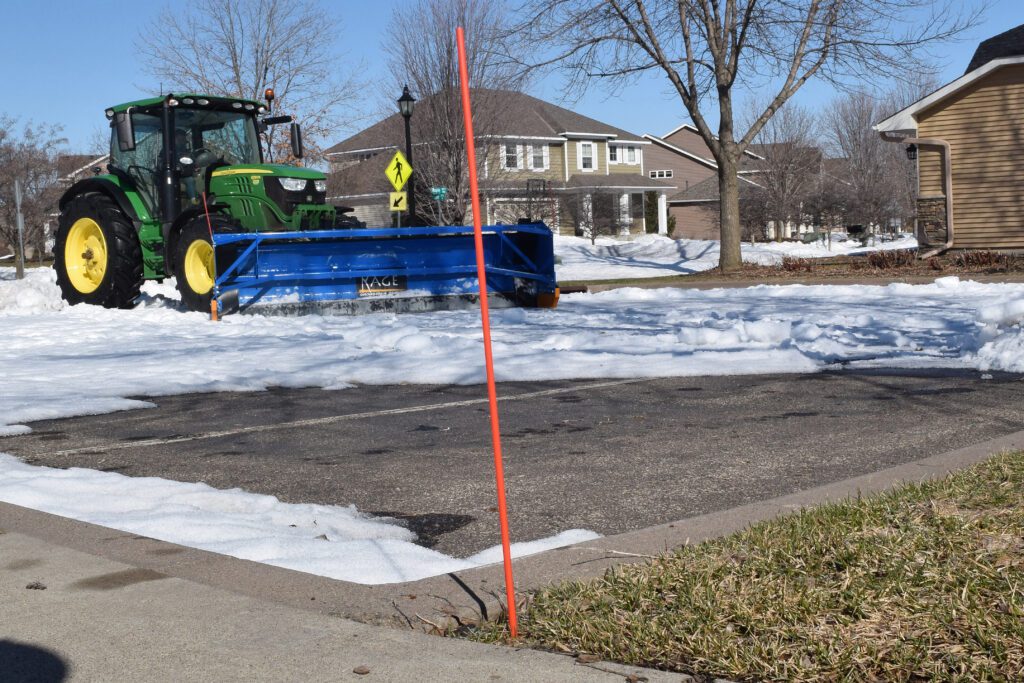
(729, 217)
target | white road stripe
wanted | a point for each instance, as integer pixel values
(311, 422)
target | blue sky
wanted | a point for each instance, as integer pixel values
(68, 60)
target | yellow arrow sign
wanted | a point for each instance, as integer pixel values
(398, 171)
(399, 201)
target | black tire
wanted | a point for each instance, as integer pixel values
(122, 272)
(195, 294)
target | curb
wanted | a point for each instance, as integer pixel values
(469, 596)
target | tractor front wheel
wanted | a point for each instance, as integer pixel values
(194, 263)
(97, 254)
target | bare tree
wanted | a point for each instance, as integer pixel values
(789, 167)
(429, 66)
(28, 153)
(870, 194)
(239, 48)
(707, 49)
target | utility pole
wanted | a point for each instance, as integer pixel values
(20, 271)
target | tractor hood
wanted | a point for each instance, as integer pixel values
(270, 170)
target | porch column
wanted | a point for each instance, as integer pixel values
(588, 214)
(662, 213)
(624, 213)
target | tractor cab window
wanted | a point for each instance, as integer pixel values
(226, 137)
(142, 163)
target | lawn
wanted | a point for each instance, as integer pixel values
(925, 582)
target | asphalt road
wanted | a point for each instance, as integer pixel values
(611, 456)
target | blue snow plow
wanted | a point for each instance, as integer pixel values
(364, 270)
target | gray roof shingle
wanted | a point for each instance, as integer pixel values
(514, 114)
(1007, 44)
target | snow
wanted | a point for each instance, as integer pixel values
(659, 256)
(333, 541)
(61, 361)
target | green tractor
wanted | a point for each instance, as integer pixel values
(182, 167)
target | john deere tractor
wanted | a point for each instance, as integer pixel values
(182, 167)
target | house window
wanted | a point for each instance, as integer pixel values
(613, 154)
(661, 174)
(539, 159)
(586, 156)
(511, 155)
(631, 155)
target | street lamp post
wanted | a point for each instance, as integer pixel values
(405, 106)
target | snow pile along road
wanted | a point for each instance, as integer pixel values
(87, 360)
(337, 542)
(658, 256)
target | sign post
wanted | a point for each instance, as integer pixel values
(481, 272)
(439, 194)
(19, 273)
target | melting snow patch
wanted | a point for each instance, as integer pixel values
(337, 542)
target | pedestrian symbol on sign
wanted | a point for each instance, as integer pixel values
(398, 171)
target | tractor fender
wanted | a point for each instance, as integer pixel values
(106, 187)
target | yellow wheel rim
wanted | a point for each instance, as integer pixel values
(199, 266)
(85, 255)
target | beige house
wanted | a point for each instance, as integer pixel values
(968, 139)
(538, 161)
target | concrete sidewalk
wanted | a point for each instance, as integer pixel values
(97, 619)
(163, 612)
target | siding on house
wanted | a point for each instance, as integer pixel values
(983, 126)
(685, 172)
(689, 141)
(696, 221)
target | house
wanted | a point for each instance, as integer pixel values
(968, 141)
(74, 167)
(682, 157)
(538, 161)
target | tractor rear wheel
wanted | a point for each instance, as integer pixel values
(97, 254)
(194, 263)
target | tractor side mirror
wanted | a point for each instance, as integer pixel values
(125, 131)
(296, 134)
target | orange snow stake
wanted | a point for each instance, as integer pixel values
(492, 394)
(213, 310)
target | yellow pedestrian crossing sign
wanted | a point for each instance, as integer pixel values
(398, 171)
(399, 201)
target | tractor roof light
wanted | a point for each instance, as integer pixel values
(236, 105)
(249, 107)
(109, 113)
(269, 94)
(203, 103)
(188, 100)
(262, 109)
(172, 102)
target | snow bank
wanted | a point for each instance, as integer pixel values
(337, 542)
(85, 360)
(658, 256)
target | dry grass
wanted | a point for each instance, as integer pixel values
(922, 583)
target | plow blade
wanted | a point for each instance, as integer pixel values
(382, 269)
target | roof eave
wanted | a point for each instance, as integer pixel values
(904, 122)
